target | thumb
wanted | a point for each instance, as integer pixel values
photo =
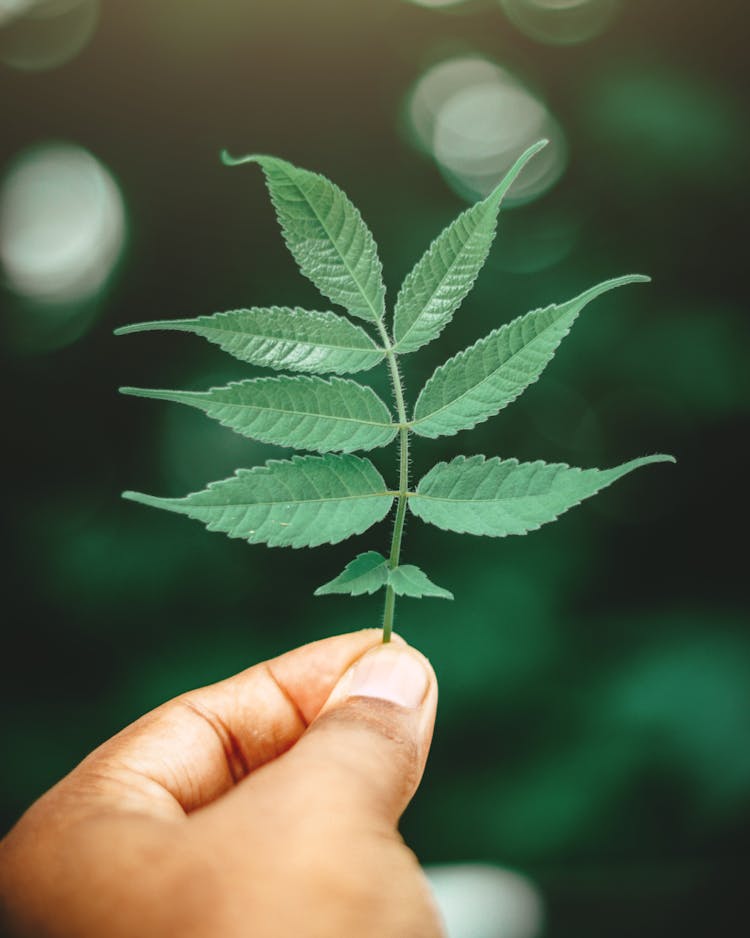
(363, 756)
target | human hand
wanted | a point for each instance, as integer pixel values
(265, 805)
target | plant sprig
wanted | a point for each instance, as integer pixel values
(310, 500)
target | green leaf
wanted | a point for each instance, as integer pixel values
(478, 382)
(368, 572)
(497, 497)
(437, 285)
(409, 580)
(365, 574)
(326, 235)
(301, 502)
(282, 338)
(335, 415)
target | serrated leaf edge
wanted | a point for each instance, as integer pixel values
(175, 504)
(260, 159)
(493, 200)
(327, 588)
(585, 298)
(439, 591)
(204, 325)
(193, 399)
(625, 468)
(388, 579)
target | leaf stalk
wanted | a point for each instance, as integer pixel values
(403, 478)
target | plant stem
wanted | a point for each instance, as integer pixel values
(403, 479)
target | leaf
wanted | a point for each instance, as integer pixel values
(281, 337)
(326, 235)
(368, 572)
(497, 497)
(301, 502)
(437, 285)
(365, 574)
(409, 580)
(337, 415)
(478, 382)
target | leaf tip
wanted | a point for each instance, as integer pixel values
(606, 286)
(496, 196)
(536, 147)
(444, 594)
(142, 327)
(228, 160)
(142, 499)
(125, 330)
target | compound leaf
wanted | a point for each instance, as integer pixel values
(409, 580)
(335, 415)
(281, 337)
(437, 285)
(365, 574)
(326, 235)
(302, 502)
(498, 497)
(478, 382)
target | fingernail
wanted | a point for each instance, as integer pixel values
(390, 673)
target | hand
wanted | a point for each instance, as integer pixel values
(265, 805)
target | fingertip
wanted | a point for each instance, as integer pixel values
(397, 639)
(396, 674)
(370, 740)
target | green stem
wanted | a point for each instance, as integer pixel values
(403, 479)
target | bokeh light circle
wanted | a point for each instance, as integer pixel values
(62, 224)
(560, 22)
(45, 34)
(12, 9)
(483, 901)
(434, 88)
(482, 130)
(435, 4)
(476, 119)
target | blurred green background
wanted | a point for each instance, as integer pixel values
(594, 726)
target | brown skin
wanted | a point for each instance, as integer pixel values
(265, 805)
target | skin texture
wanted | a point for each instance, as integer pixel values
(265, 805)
